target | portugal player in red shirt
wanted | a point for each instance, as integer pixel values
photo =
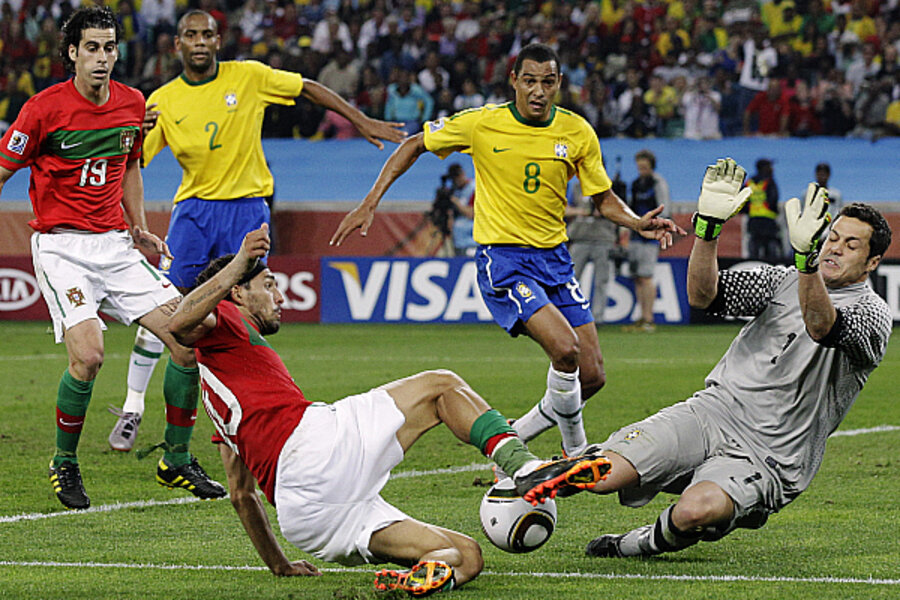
(82, 141)
(323, 465)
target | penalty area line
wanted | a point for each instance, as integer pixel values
(365, 571)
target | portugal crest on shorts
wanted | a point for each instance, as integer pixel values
(75, 296)
(126, 140)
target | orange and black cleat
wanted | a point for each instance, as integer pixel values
(423, 579)
(572, 474)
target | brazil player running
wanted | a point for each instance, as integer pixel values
(525, 152)
(750, 442)
(82, 141)
(211, 117)
(323, 465)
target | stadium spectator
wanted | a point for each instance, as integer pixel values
(82, 189)
(649, 193)
(469, 97)
(162, 66)
(770, 110)
(752, 440)
(803, 120)
(664, 100)
(519, 225)
(592, 239)
(159, 17)
(226, 181)
(340, 74)
(323, 465)
(763, 241)
(758, 61)
(462, 195)
(701, 106)
(433, 77)
(863, 68)
(407, 102)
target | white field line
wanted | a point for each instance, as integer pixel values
(606, 576)
(400, 475)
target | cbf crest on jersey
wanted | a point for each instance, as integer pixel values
(561, 149)
(17, 142)
(126, 140)
(231, 100)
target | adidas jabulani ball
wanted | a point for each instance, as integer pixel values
(511, 523)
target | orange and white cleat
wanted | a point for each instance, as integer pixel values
(572, 474)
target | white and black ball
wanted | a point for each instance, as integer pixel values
(511, 523)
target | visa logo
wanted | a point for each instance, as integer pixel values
(401, 290)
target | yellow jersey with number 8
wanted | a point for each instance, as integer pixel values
(214, 128)
(522, 169)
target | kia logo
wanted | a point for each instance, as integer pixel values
(18, 289)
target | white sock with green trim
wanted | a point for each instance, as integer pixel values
(146, 353)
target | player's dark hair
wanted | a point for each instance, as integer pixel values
(881, 231)
(648, 156)
(539, 53)
(217, 264)
(92, 17)
(193, 12)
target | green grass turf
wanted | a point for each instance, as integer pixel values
(844, 527)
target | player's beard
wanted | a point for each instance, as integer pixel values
(270, 327)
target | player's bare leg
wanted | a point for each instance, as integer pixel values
(566, 385)
(410, 542)
(84, 345)
(678, 527)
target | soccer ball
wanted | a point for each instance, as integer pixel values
(511, 523)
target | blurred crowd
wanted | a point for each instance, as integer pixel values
(700, 69)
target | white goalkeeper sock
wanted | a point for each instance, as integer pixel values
(146, 353)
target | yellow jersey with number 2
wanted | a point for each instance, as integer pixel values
(214, 128)
(522, 169)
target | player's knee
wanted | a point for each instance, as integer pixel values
(592, 380)
(86, 363)
(565, 353)
(704, 506)
(472, 561)
(443, 380)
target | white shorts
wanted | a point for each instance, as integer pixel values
(330, 475)
(81, 272)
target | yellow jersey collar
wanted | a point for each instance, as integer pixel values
(202, 81)
(518, 116)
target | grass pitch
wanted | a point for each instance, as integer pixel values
(838, 540)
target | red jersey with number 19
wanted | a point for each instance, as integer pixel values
(77, 152)
(248, 393)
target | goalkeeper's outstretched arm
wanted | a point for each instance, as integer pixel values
(721, 197)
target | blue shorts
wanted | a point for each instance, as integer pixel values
(516, 281)
(201, 230)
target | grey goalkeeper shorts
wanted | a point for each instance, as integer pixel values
(674, 449)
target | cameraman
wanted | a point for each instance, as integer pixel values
(462, 197)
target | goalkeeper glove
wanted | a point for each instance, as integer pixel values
(721, 197)
(806, 229)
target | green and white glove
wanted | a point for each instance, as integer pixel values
(806, 229)
(721, 197)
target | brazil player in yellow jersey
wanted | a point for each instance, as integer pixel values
(211, 118)
(525, 152)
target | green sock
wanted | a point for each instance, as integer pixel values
(181, 390)
(495, 438)
(72, 401)
(512, 455)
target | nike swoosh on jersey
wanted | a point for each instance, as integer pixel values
(65, 146)
(178, 121)
(499, 150)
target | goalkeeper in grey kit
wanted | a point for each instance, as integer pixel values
(751, 441)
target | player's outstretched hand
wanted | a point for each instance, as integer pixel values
(150, 119)
(256, 244)
(806, 229)
(360, 218)
(654, 227)
(148, 242)
(721, 197)
(299, 568)
(375, 130)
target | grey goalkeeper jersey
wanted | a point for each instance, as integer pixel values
(776, 390)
